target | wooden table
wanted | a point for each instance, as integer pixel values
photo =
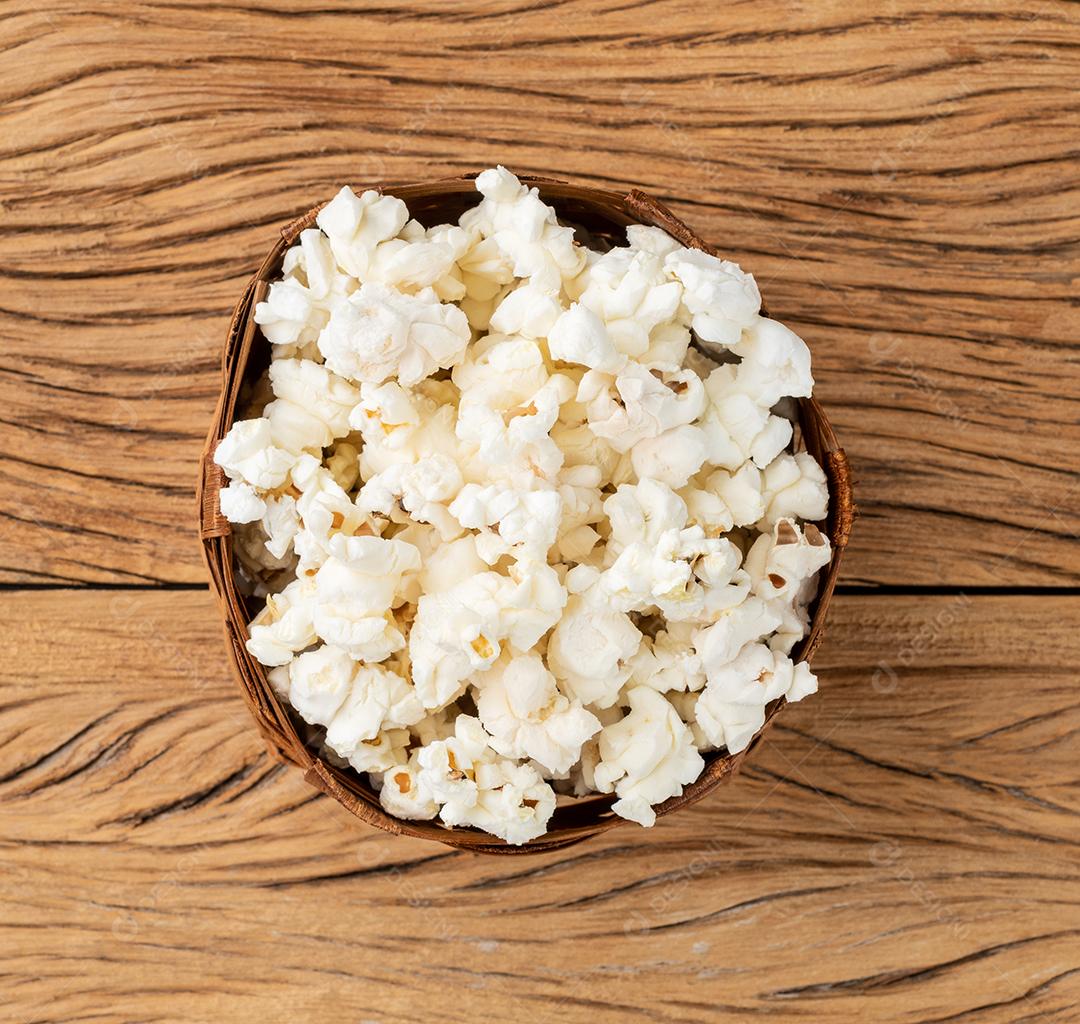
(902, 178)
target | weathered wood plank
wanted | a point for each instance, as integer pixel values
(903, 848)
(903, 181)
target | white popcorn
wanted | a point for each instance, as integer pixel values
(312, 406)
(590, 647)
(385, 415)
(509, 403)
(673, 457)
(646, 757)
(741, 493)
(355, 590)
(627, 289)
(526, 715)
(515, 533)
(532, 602)
(731, 708)
(380, 333)
(525, 230)
(448, 766)
(386, 751)
(781, 562)
(240, 504)
(285, 626)
(581, 447)
(642, 514)
(248, 454)
(411, 265)
(794, 486)
(298, 307)
(477, 787)
(323, 510)
(527, 311)
(378, 700)
(513, 802)
(404, 795)
(320, 681)
(636, 403)
(450, 564)
(669, 350)
(501, 371)
(423, 487)
(745, 623)
(355, 225)
(720, 299)
(455, 634)
(668, 662)
(579, 336)
(738, 425)
(529, 520)
(775, 363)
(645, 238)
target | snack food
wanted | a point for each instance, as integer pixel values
(514, 536)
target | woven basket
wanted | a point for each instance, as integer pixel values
(602, 216)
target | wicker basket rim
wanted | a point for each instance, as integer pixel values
(583, 818)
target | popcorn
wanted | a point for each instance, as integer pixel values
(746, 622)
(513, 802)
(404, 795)
(668, 662)
(509, 403)
(454, 634)
(312, 405)
(319, 683)
(248, 454)
(673, 457)
(240, 504)
(793, 486)
(528, 520)
(297, 307)
(738, 425)
(627, 288)
(579, 336)
(355, 225)
(410, 266)
(589, 649)
(646, 757)
(781, 562)
(636, 403)
(380, 333)
(385, 414)
(355, 589)
(378, 700)
(526, 716)
(775, 363)
(525, 230)
(515, 533)
(323, 510)
(285, 626)
(719, 298)
(476, 787)
(731, 708)
(527, 311)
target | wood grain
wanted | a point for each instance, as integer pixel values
(903, 847)
(902, 180)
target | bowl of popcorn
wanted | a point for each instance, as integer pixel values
(521, 513)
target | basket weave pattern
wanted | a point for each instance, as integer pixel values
(604, 214)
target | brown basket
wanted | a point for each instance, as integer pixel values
(603, 215)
